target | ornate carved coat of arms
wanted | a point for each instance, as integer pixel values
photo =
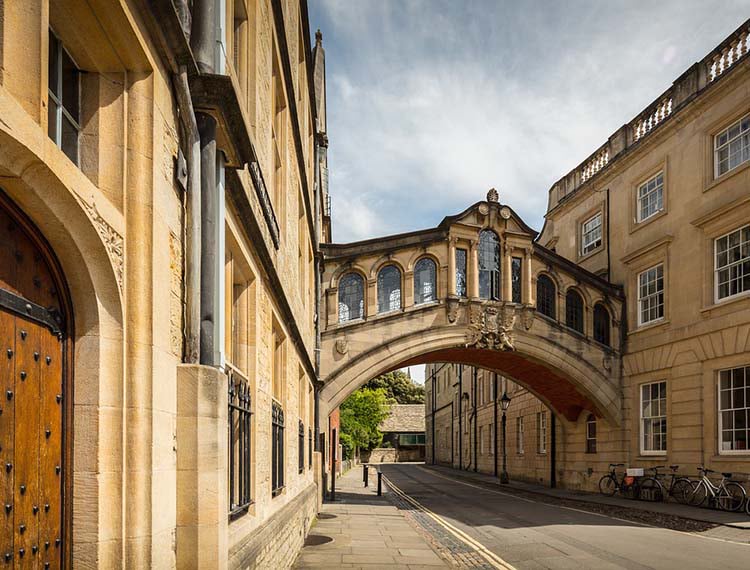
(491, 328)
(342, 346)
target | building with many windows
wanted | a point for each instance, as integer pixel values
(662, 209)
(162, 197)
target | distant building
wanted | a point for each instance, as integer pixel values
(403, 430)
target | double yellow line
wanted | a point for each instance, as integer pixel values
(494, 560)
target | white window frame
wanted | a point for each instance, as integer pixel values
(589, 423)
(654, 186)
(541, 443)
(739, 230)
(589, 230)
(643, 419)
(739, 136)
(650, 296)
(719, 409)
(519, 435)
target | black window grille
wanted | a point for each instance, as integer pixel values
(546, 295)
(301, 444)
(591, 434)
(574, 311)
(351, 297)
(515, 275)
(425, 281)
(601, 324)
(489, 265)
(309, 447)
(277, 448)
(389, 289)
(461, 272)
(239, 428)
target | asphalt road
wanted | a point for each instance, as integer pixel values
(530, 535)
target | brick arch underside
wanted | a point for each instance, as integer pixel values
(560, 378)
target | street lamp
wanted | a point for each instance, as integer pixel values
(505, 403)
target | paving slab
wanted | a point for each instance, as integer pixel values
(367, 531)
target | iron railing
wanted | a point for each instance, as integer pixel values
(277, 449)
(239, 432)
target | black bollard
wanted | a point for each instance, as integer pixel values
(366, 474)
(380, 483)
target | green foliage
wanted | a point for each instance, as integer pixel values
(361, 414)
(399, 387)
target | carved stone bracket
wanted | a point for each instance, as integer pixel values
(527, 317)
(491, 327)
(452, 308)
(342, 346)
(113, 241)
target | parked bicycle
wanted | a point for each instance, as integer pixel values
(727, 495)
(610, 484)
(651, 488)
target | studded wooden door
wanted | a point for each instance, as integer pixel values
(32, 373)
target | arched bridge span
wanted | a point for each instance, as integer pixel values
(475, 290)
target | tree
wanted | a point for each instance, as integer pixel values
(360, 416)
(398, 386)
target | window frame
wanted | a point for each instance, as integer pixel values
(583, 311)
(541, 433)
(519, 436)
(719, 412)
(546, 278)
(363, 305)
(716, 149)
(640, 299)
(487, 239)
(591, 442)
(598, 242)
(716, 270)
(607, 341)
(642, 419)
(639, 198)
(56, 95)
(390, 309)
(419, 298)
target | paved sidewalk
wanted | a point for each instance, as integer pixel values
(738, 520)
(367, 531)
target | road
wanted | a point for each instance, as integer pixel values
(529, 535)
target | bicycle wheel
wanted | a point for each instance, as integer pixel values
(699, 494)
(607, 485)
(681, 490)
(747, 505)
(731, 497)
(650, 490)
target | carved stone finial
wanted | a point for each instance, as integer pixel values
(318, 37)
(493, 196)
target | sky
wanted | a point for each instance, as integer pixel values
(433, 102)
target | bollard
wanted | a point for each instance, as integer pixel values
(366, 474)
(380, 483)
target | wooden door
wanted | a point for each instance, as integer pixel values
(33, 355)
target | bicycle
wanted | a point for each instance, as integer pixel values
(729, 496)
(609, 484)
(652, 489)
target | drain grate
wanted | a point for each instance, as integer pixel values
(317, 540)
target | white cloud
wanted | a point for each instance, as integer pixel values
(430, 103)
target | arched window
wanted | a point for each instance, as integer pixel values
(546, 295)
(489, 265)
(351, 297)
(574, 311)
(425, 281)
(591, 434)
(389, 289)
(601, 324)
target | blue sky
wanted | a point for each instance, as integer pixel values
(432, 102)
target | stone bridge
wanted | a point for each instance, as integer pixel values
(476, 290)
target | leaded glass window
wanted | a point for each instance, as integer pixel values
(574, 311)
(489, 265)
(546, 295)
(389, 289)
(515, 274)
(732, 264)
(461, 272)
(425, 281)
(734, 409)
(351, 297)
(601, 324)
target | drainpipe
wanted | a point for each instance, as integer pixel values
(553, 451)
(474, 389)
(193, 207)
(453, 437)
(203, 34)
(433, 417)
(460, 417)
(494, 423)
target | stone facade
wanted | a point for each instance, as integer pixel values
(158, 125)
